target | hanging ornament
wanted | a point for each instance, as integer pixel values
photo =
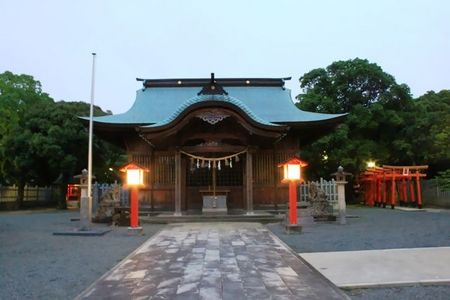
(209, 164)
(237, 158)
(203, 163)
(231, 163)
(218, 166)
(214, 164)
(226, 162)
(198, 163)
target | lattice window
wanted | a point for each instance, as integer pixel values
(163, 171)
(263, 168)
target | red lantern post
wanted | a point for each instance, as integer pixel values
(292, 174)
(134, 180)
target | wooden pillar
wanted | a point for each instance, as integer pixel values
(411, 189)
(393, 192)
(177, 184)
(404, 191)
(419, 192)
(379, 191)
(249, 182)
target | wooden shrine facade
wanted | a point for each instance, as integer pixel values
(225, 136)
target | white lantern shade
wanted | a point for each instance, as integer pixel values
(135, 177)
(292, 172)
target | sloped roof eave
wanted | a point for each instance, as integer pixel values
(205, 99)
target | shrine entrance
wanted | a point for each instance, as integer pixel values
(214, 185)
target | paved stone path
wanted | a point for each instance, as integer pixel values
(213, 261)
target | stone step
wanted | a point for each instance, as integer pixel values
(167, 219)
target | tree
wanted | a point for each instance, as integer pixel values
(17, 94)
(375, 103)
(43, 140)
(428, 130)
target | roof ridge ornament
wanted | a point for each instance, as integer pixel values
(212, 88)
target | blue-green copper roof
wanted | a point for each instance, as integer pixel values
(204, 98)
(264, 104)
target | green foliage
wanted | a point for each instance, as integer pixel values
(429, 127)
(444, 179)
(384, 123)
(42, 140)
(376, 105)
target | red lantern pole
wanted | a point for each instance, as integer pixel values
(134, 207)
(293, 202)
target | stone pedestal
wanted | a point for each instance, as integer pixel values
(212, 204)
(341, 201)
(293, 228)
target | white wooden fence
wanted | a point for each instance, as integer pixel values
(328, 187)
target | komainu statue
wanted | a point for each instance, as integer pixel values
(109, 201)
(320, 207)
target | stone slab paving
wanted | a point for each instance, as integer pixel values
(213, 261)
(391, 267)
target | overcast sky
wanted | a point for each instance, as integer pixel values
(53, 41)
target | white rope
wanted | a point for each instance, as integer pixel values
(213, 159)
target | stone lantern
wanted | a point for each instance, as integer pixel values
(341, 181)
(85, 206)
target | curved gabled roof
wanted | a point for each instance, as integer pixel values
(217, 98)
(264, 104)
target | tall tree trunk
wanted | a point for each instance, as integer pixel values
(20, 194)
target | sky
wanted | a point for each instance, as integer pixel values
(53, 41)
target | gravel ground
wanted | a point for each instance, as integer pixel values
(34, 264)
(377, 228)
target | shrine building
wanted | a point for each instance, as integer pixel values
(219, 139)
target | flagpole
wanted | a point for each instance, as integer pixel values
(91, 115)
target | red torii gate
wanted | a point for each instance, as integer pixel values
(380, 183)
